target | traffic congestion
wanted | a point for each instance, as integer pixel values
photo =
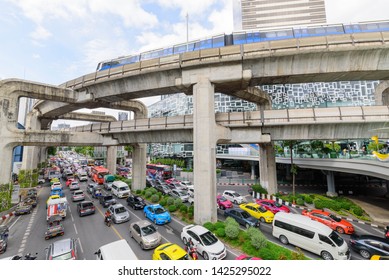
(80, 210)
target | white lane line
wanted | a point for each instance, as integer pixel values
(79, 242)
(14, 222)
(74, 225)
(71, 216)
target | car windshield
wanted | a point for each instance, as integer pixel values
(208, 238)
(235, 194)
(138, 199)
(108, 197)
(334, 218)
(159, 210)
(245, 215)
(277, 204)
(147, 230)
(222, 199)
(336, 238)
(65, 256)
(123, 188)
(120, 210)
(262, 209)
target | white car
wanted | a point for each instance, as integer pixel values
(234, 197)
(206, 243)
(183, 195)
(187, 184)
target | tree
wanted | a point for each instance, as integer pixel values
(293, 169)
(129, 149)
(51, 151)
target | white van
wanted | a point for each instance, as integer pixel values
(310, 235)
(117, 250)
(120, 189)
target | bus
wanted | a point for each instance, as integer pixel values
(98, 173)
(158, 170)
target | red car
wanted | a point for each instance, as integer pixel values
(172, 180)
(272, 205)
(223, 203)
(335, 223)
(69, 181)
(245, 257)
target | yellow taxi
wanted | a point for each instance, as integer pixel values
(377, 257)
(170, 251)
(258, 211)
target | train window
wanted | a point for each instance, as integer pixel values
(203, 44)
(131, 59)
(218, 41)
(334, 30)
(384, 26)
(253, 37)
(180, 48)
(239, 38)
(167, 51)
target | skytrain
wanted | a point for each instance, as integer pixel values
(247, 37)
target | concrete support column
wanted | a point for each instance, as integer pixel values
(6, 162)
(111, 158)
(330, 184)
(31, 157)
(139, 167)
(267, 167)
(252, 171)
(204, 143)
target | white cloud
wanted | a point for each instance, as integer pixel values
(36, 56)
(40, 33)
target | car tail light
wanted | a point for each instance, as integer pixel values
(73, 255)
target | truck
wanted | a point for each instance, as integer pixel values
(52, 172)
(57, 206)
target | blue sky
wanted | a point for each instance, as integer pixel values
(53, 41)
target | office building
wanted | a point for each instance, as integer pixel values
(259, 14)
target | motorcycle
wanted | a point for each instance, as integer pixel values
(108, 221)
(192, 252)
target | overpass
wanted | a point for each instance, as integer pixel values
(233, 70)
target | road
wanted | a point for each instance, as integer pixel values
(27, 231)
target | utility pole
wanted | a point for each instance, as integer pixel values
(187, 31)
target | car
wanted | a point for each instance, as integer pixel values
(57, 191)
(170, 180)
(119, 213)
(378, 257)
(136, 202)
(170, 251)
(41, 180)
(65, 249)
(369, 245)
(107, 200)
(157, 214)
(52, 197)
(69, 181)
(32, 193)
(245, 257)
(85, 208)
(223, 203)
(258, 211)
(242, 217)
(120, 189)
(163, 188)
(74, 186)
(234, 197)
(187, 184)
(334, 222)
(145, 234)
(183, 195)
(177, 186)
(273, 205)
(91, 187)
(78, 195)
(22, 209)
(207, 244)
(56, 185)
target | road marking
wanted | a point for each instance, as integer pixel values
(74, 225)
(14, 222)
(71, 216)
(79, 242)
(112, 227)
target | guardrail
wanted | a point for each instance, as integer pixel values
(250, 118)
(232, 53)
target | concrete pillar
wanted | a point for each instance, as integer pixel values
(6, 162)
(204, 143)
(267, 167)
(330, 184)
(252, 170)
(111, 158)
(139, 167)
(381, 93)
(31, 157)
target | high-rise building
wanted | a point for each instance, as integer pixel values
(258, 14)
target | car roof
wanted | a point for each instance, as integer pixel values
(117, 205)
(171, 248)
(373, 237)
(197, 229)
(61, 246)
(142, 223)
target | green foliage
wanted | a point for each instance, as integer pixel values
(218, 171)
(232, 231)
(190, 215)
(148, 194)
(209, 226)
(257, 239)
(51, 151)
(299, 255)
(319, 204)
(259, 189)
(138, 192)
(178, 202)
(172, 208)
(28, 178)
(168, 161)
(300, 201)
(267, 254)
(358, 211)
(153, 190)
(170, 201)
(220, 232)
(308, 199)
(230, 220)
(5, 197)
(163, 202)
(184, 209)
(219, 225)
(154, 198)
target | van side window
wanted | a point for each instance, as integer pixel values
(295, 229)
(325, 239)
